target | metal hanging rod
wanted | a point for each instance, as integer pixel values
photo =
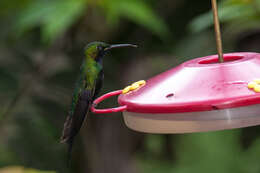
(217, 31)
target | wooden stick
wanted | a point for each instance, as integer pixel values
(217, 30)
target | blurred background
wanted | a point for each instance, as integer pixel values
(41, 49)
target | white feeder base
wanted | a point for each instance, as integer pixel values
(194, 121)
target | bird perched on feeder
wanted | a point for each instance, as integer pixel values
(87, 87)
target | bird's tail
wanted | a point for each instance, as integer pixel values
(70, 144)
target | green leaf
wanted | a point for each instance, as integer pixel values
(226, 13)
(64, 15)
(137, 11)
(8, 7)
(54, 17)
(141, 13)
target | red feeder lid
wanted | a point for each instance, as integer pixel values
(201, 84)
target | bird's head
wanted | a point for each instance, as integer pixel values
(97, 50)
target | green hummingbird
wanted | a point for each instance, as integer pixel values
(87, 87)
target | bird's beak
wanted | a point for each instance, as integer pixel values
(119, 45)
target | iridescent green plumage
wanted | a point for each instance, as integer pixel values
(89, 72)
(86, 89)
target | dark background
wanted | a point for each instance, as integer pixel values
(41, 49)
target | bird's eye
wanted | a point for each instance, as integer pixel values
(100, 48)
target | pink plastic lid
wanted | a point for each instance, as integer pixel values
(201, 84)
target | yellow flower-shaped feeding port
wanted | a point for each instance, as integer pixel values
(134, 86)
(254, 85)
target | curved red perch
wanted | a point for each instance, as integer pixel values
(108, 110)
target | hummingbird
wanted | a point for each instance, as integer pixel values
(88, 85)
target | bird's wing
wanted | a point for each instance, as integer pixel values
(73, 123)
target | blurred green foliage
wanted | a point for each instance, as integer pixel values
(54, 17)
(137, 11)
(207, 152)
(242, 12)
(19, 169)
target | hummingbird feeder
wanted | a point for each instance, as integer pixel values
(204, 94)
